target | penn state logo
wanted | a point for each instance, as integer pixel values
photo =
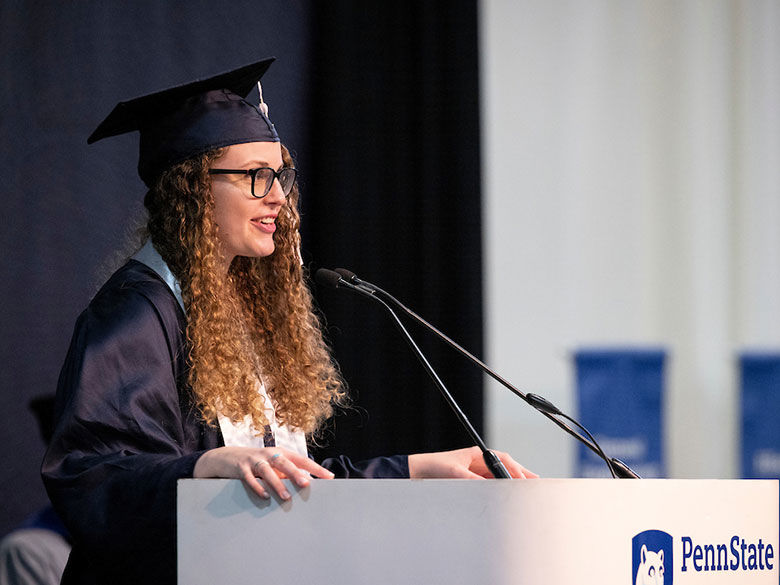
(652, 558)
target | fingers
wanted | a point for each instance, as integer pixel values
(283, 464)
(476, 464)
(284, 467)
(514, 468)
(461, 472)
(268, 464)
(266, 471)
(528, 474)
(310, 466)
(249, 477)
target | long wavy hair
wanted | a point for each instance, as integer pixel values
(255, 324)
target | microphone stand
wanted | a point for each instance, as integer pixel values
(493, 463)
(616, 467)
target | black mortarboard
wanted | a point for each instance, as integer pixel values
(188, 120)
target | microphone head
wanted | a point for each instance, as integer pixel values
(347, 275)
(327, 278)
(622, 470)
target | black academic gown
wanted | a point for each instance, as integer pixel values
(127, 430)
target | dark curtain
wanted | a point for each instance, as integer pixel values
(394, 196)
(377, 101)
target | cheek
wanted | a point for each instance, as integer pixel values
(217, 198)
(219, 217)
(226, 212)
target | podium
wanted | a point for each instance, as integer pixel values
(545, 531)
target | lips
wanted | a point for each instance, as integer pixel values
(266, 224)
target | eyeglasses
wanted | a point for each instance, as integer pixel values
(264, 178)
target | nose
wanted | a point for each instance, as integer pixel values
(275, 194)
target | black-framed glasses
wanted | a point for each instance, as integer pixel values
(263, 178)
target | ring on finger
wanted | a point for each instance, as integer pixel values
(258, 464)
(273, 458)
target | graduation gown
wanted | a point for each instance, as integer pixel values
(127, 429)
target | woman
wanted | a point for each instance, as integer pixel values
(201, 357)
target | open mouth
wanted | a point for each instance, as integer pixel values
(266, 224)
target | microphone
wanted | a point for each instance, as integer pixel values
(332, 279)
(616, 467)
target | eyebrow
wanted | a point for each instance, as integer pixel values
(254, 164)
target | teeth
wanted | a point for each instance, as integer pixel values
(267, 220)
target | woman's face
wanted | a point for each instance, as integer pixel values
(246, 223)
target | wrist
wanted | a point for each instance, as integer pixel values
(203, 467)
(417, 466)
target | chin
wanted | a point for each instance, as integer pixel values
(264, 251)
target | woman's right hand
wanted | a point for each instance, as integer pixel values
(271, 464)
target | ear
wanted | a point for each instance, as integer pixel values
(643, 554)
(661, 555)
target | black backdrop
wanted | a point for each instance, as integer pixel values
(379, 103)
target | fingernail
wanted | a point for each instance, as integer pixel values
(285, 495)
(302, 480)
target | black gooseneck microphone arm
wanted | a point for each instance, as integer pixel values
(616, 467)
(332, 279)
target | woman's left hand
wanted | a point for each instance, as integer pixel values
(462, 463)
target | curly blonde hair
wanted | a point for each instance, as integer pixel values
(258, 323)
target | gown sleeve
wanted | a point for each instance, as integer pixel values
(393, 467)
(121, 439)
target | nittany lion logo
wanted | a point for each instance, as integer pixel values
(651, 567)
(652, 558)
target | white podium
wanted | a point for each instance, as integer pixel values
(544, 532)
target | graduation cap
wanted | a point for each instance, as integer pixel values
(184, 121)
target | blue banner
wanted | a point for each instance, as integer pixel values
(620, 398)
(760, 385)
